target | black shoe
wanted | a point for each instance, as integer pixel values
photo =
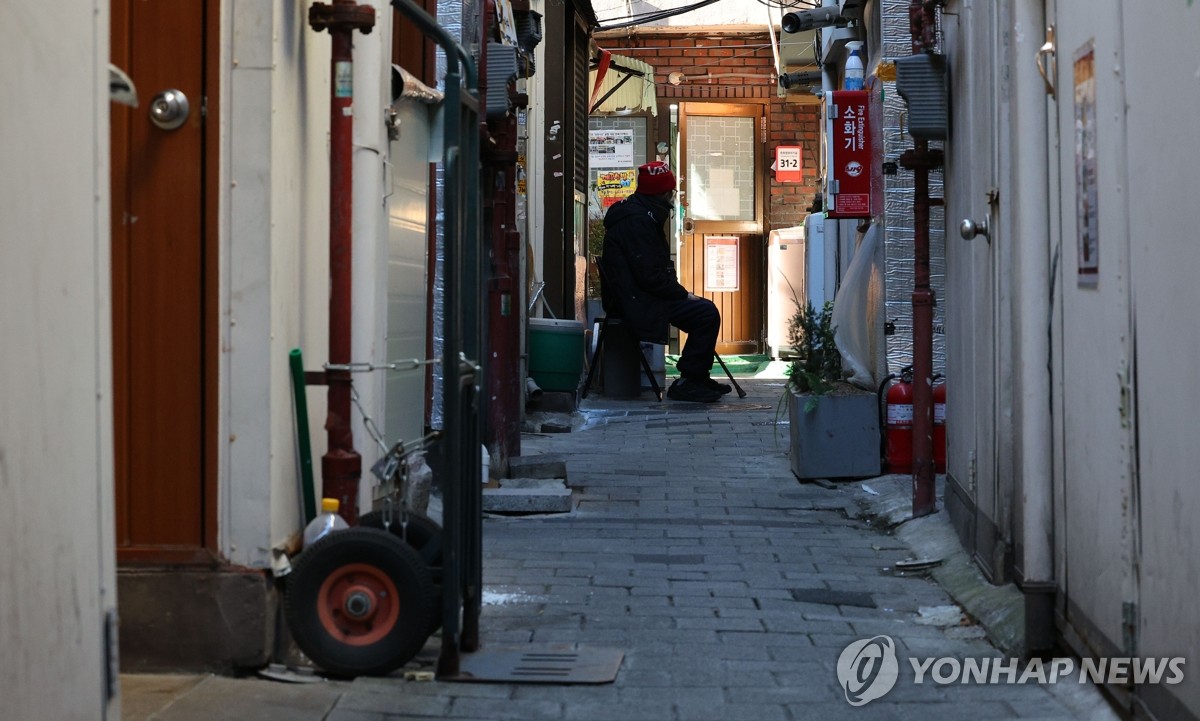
(711, 383)
(690, 389)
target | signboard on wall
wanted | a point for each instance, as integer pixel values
(720, 263)
(610, 148)
(613, 186)
(1087, 215)
(787, 164)
(848, 130)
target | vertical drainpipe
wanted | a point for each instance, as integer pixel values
(921, 159)
(341, 466)
(1030, 221)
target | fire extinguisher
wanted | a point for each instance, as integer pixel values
(939, 424)
(898, 426)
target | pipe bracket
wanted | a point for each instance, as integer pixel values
(341, 15)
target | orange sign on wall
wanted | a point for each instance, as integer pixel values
(787, 164)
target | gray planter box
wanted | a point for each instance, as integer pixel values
(839, 438)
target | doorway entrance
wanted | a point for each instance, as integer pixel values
(163, 279)
(722, 256)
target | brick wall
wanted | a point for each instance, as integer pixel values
(705, 62)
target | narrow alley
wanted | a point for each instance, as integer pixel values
(731, 589)
(285, 266)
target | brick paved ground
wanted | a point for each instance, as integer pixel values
(690, 548)
(731, 588)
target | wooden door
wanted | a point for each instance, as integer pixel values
(162, 276)
(722, 256)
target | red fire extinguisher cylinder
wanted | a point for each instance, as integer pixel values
(900, 424)
(939, 426)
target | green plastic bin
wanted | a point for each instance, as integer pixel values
(556, 353)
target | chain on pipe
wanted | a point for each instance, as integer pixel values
(368, 422)
(407, 364)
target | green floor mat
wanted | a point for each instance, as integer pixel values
(739, 365)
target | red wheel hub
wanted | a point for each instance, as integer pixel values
(358, 604)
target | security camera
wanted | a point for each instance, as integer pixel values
(799, 79)
(809, 19)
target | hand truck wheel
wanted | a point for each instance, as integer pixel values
(359, 602)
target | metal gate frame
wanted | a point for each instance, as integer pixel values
(463, 359)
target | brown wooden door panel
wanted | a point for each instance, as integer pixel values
(158, 264)
(741, 321)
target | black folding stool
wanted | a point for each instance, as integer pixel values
(641, 357)
(645, 365)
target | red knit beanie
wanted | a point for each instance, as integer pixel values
(655, 178)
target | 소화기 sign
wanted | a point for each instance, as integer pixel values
(849, 133)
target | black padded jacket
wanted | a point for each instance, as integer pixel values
(638, 282)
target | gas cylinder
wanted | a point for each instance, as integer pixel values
(939, 425)
(900, 424)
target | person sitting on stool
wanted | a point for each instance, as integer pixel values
(639, 284)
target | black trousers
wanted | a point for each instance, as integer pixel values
(701, 320)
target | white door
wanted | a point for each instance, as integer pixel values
(971, 276)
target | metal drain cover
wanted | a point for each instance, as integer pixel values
(558, 663)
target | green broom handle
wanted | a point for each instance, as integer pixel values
(306, 468)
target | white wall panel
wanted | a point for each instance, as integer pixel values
(1162, 70)
(56, 460)
(407, 263)
(275, 268)
(1096, 344)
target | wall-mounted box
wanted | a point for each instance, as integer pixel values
(923, 81)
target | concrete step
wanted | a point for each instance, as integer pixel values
(527, 500)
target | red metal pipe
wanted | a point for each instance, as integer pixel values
(922, 23)
(504, 351)
(924, 493)
(504, 389)
(922, 15)
(341, 466)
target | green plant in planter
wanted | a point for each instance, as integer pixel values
(595, 250)
(834, 427)
(817, 365)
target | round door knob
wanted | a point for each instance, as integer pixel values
(969, 229)
(169, 109)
